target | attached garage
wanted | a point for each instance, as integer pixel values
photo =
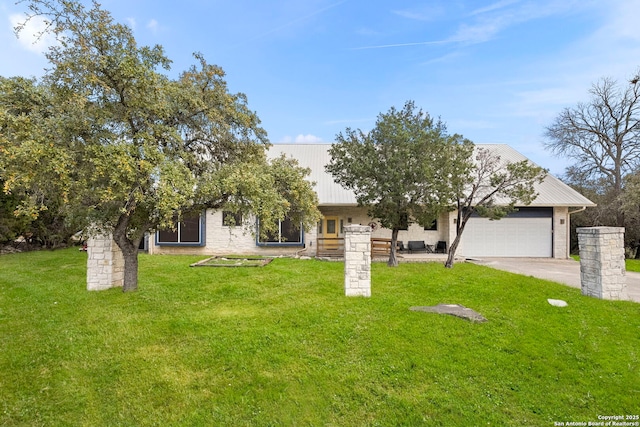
(528, 232)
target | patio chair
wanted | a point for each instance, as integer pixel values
(441, 247)
(417, 246)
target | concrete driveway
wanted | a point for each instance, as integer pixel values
(566, 271)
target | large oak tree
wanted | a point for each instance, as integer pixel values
(130, 149)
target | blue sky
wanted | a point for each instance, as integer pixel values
(495, 71)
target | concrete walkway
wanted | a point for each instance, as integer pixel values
(566, 271)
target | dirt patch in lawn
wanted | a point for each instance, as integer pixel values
(233, 261)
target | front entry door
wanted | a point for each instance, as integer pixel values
(330, 232)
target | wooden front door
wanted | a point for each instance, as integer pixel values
(330, 232)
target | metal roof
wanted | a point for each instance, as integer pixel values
(551, 192)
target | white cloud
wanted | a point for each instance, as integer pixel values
(612, 50)
(486, 23)
(623, 21)
(491, 20)
(478, 33)
(132, 23)
(429, 13)
(154, 26)
(495, 6)
(33, 36)
(302, 139)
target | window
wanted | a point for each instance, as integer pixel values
(288, 233)
(188, 232)
(433, 226)
(331, 226)
(230, 219)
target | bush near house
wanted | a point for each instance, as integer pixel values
(282, 345)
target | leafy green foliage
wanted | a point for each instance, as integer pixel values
(11, 226)
(282, 345)
(403, 170)
(39, 214)
(128, 148)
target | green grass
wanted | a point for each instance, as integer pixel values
(630, 264)
(282, 345)
(633, 265)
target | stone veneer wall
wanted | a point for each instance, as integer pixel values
(602, 268)
(105, 264)
(357, 260)
(561, 227)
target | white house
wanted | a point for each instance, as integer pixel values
(538, 230)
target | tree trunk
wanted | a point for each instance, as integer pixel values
(393, 259)
(130, 271)
(461, 222)
(130, 254)
(452, 251)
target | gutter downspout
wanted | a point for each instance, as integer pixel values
(569, 213)
(579, 210)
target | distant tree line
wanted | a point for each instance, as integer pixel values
(602, 139)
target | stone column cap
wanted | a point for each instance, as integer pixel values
(357, 228)
(600, 230)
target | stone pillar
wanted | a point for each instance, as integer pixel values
(357, 260)
(602, 268)
(105, 264)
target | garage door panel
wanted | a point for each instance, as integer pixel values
(508, 237)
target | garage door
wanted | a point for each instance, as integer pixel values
(514, 236)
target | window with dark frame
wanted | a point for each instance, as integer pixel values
(433, 226)
(187, 232)
(288, 233)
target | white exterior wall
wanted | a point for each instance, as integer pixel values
(452, 217)
(225, 240)
(221, 240)
(359, 216)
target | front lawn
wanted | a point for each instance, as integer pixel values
(282, 345)
(633, 264)
(630, 264)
